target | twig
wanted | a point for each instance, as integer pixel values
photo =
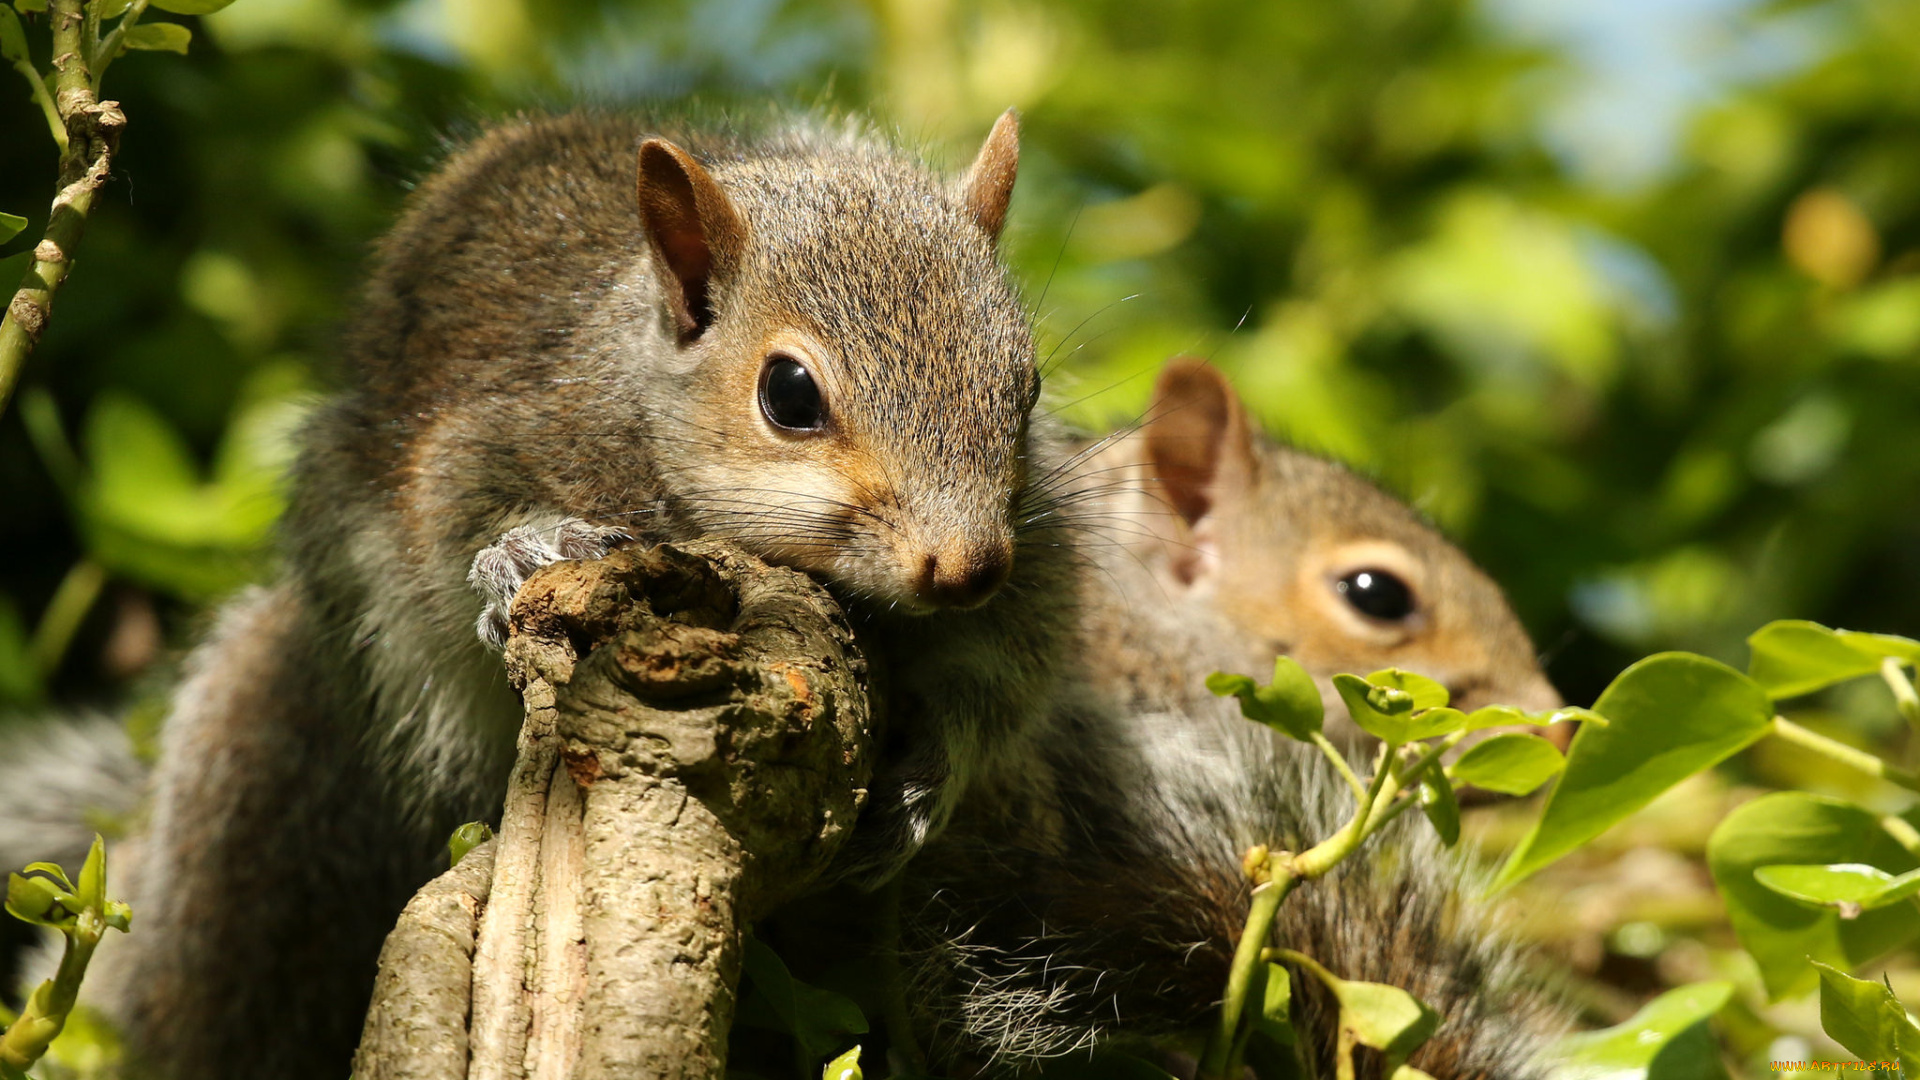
(92, 136)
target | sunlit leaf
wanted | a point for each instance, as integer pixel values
(92, 886)
(1665, 1040)
(844, 1067)
(109, 9)
(1844, 885)
(1384, 1017)
(1276, 1005)
(1426, 693)
(1437, 801)
(10, 224)
(1290, 704)
(159, 37)
(465, 839)
(191, 7)
(1794, 657)
(1668, 716)
(1863, 1016)
(1795, 828)
(1388, 711)
(40, 901)
(1511, 764)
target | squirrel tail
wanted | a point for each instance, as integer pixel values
(61, 782)
(1120, 924)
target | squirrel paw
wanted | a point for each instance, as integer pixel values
(501, 568)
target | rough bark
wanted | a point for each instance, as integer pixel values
(695, 749)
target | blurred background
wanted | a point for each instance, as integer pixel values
(1624, 295)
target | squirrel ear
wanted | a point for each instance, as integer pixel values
(691, 225)
(988, 185)
(1199, 442)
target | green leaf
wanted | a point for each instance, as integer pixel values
(1845, 886)
(1794, 657)
(1511, 764)
(1426, 693)
(1668, 716)
(1384, 1017)
(1408, 1072)
(1290, 704)
(1389, 712)
(191, 7)
(109, 9)
(53, 871)
(465, 839)
(844, 1067)
(93, 876)
(159, 37)
(1906, 650)
(1490, 716)
(30, 6)
(1795, 828)
(1863, 1016)
(1437, 801)
(13, 49)
(40, 901)
(819, 1020)
(1276, 1005)
(1665, 1040)
(10, 224)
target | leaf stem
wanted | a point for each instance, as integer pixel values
(1895, 673)
(1903, 833)
(93, 135)
(69, 606)
(45, 100)
(1838, 751)
(109, 47)
(1246, 961)
(1340, 764)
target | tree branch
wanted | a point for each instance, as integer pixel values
(696, 748)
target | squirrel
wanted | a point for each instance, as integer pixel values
(581, 332)
(1098, 897)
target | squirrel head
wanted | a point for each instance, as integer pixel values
(1319, 563)
(846, 338)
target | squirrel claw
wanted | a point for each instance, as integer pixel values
(503, 566)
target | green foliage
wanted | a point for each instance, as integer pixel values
(1864, 1017)
(1666, 1040)
(1289, 704)
(1668, 717)
(465, 839)
(1511, 763)
(820, 1021)
(1795, 828)
(82, 914)
(1849, 888)
(844, 1067)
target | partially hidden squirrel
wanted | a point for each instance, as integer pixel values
(582, 331)
(1097, 897)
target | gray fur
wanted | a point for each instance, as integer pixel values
(1119, 923)
(61, 781)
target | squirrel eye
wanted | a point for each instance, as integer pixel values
(1376, 594)
(789, 397)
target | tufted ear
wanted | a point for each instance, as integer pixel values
(1199, 443)
(988, 185)
(691, 227)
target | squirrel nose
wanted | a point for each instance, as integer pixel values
(962, 580)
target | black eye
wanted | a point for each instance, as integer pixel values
(789, 397)
(1376, 594)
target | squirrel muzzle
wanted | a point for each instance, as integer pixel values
(962, 577)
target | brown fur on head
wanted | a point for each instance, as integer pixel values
(1277, 541)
